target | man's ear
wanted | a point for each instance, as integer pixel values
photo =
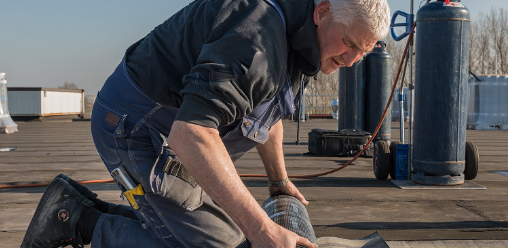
(321, 11)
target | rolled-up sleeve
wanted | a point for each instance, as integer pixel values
(236, 70)
(214, 98)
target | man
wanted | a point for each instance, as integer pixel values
(215, 79)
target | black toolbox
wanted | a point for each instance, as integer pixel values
(347, 142)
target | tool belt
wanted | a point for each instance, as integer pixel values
(171, 167)
(176, 168)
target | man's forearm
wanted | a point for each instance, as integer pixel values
(272, 155)
(203, 154)
(273, 159)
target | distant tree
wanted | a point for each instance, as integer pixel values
(497, 32)
(320, 93)
(488, 43)
(69, 86)
(395, 49)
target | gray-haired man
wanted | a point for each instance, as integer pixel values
(215, 79)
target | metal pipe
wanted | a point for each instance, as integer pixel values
(412, 96)
(301, 92)
(475, 76)
(302, 113)
(402, 108)
(82, 104)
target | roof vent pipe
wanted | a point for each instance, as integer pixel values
(7, 125)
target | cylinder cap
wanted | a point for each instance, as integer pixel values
(379, 47)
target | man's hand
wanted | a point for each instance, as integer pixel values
(277, 236)
(288, 189)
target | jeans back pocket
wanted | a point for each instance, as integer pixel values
(107, 126)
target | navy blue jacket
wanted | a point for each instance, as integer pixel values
(217, 60)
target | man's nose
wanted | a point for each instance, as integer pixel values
(352, 57)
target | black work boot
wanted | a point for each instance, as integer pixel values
(80, 188)
(55, 219)
(102, 206)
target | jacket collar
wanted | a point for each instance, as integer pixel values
(301, 33)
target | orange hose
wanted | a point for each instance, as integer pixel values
(261, 175)
(47, 184)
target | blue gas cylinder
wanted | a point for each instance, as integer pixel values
(351, 96)
(441, 74)
(378, 91)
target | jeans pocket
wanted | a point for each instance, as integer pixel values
(172, 182)
(107, 126)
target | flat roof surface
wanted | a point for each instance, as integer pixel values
(349, 203)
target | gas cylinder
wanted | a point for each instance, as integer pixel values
(441, 67)
(351, 96)
(378, 90)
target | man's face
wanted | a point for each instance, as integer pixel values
(337, 50)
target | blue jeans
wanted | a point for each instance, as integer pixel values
(130, 130)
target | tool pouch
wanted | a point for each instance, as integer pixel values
(174, 183)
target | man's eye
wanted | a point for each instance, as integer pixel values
(346, 43)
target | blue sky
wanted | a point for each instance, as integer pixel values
(47, 43)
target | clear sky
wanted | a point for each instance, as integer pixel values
(47, 43)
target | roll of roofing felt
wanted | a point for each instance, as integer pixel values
(288, 212)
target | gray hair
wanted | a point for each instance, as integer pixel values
(375, 14)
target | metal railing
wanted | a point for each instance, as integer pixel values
(319, 104)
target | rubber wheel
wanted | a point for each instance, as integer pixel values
(392, 148)
(471, 161)
(381, 160)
